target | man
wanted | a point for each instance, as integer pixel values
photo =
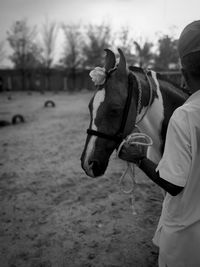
(178, 172)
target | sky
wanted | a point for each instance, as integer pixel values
(145, 18)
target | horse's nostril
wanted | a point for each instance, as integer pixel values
(93, 163)
(96, 167)
(90, 163)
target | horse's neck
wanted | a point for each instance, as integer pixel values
(151, 124)
(156, 119)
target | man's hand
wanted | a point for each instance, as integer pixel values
(133, 152)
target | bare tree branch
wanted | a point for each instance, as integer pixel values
(2, 51)
(26, 52)
(72, 57)
(49, 36)
(143, 53)
(98, 38)
(21, 38)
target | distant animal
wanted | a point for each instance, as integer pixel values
(124, 98)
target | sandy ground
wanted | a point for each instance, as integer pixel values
(52, 214)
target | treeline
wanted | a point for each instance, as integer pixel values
(82, 48)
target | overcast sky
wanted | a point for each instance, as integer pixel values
(145, 17)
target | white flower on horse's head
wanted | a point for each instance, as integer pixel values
(98, 75)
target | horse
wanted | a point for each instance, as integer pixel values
(127, 97)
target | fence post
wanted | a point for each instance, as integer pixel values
(65, 83)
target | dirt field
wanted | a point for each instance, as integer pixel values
(52, 214)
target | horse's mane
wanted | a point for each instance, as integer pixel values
(173, 87)
(136, 69)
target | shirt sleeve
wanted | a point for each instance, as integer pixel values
(175, 164)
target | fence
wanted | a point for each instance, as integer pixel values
(58, 80)
(40, 80)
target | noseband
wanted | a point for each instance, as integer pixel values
(118, 137)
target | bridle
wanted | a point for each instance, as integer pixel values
(119, 135)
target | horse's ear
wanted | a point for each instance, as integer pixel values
(110, 59)
(121, 69)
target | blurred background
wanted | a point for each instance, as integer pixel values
(46, 42)
(51, 213)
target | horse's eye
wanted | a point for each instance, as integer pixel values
(114, 112)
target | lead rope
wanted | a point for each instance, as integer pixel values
(132, 140)
(130, 169)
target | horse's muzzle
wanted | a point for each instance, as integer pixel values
(93, 167)
(97, 169)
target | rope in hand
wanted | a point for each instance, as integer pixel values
(132, 139)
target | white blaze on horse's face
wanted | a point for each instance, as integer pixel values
(97, 101)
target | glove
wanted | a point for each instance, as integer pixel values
(133, 152)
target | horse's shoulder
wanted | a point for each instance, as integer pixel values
(171, 87)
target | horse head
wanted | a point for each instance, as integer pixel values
(125, 97)
(113, 112)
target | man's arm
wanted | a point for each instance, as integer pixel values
(149, 168)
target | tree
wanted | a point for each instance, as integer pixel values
(49, 35)
(21, 39)
(72, 57)
(2, 52)
(126, 45)
(143, 53)
(26, 52)
(167, 53)
(99, 38)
